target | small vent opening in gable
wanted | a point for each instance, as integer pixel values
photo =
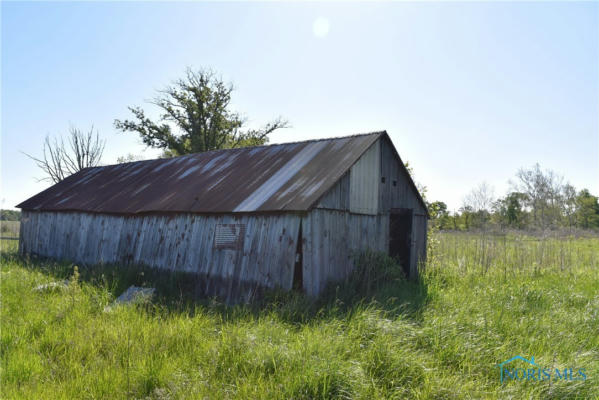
(229, 236)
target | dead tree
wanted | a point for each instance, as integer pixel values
(61, 158)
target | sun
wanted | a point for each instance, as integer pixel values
(320, 27)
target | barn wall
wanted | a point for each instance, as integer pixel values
(331, 239)
(183, 242)
(337, 198)
(364, 182)
(396, 191)
(356, 190)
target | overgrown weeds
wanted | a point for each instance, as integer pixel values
(376, 335)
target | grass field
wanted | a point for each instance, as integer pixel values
(482, 300)
(9, 228)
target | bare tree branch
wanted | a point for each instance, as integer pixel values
(60, 159)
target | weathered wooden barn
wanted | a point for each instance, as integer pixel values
(287, 215)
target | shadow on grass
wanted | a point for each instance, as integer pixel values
(376, 283)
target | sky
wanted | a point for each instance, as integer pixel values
(468, 92)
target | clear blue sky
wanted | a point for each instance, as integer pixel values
(469, 92)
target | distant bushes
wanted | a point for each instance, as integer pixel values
(10, 215)
(9, 223)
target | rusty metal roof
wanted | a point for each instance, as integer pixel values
(281, 177)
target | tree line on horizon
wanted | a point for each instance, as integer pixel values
(537, 200)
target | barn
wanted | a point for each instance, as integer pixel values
(289, 215)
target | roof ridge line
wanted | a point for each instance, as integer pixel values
(245, 148)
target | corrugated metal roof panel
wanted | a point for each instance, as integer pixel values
(290, 176)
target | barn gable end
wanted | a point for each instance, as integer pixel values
(378, 184)
(394, 187)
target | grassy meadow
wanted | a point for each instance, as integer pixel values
(9, 229)
(481, 300)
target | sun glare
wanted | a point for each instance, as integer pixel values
(320, 27)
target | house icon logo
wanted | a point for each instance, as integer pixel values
(501, 365)
(534, 372)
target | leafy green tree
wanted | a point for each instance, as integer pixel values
(440, 215)
(587, 210)
(544, 194)
(196, 116)
(466, 216)
(10, 215)
(510, 212)
(569, 205)
(129, 157)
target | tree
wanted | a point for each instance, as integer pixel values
(569, 205)
(479, 203)
(466, 213)
(129, 157)
(439, 214)
(509, 211)
(587, 210)
(62, 158)
(10, 215)
(196, 116)
(544, 194)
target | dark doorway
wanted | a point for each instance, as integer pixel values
(400, 237)
(298, 273)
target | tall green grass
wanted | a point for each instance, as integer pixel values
(480, 301)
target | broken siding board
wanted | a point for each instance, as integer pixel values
(290, 252)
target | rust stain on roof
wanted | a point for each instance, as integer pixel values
(282, 177)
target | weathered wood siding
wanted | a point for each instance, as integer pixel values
(364, 182)
(367, 176)
(183, 242)
(391, 185)
(331, 239)
(337, 198)
(396, 191)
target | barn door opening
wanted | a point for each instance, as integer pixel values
(298, 275)
(400, 238)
